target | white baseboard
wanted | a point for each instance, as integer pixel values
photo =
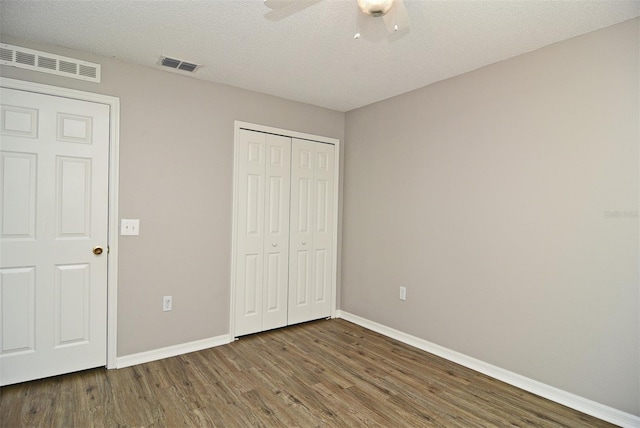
(171, 351)
(565, 398)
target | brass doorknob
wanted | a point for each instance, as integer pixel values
(97, 250)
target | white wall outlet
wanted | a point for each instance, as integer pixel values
(167, 303)
(403, 293)
(130, 226)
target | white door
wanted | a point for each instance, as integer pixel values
(262, 231)
(312, 231)
(54, 207)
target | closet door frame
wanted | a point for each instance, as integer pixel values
(239, 125)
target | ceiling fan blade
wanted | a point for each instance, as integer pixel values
(278, 4)
(281, 9)
(397, 19)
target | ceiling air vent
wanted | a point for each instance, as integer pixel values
(16, 56)
(178, 64)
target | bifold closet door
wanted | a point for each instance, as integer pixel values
(262, 246)
(312, 231)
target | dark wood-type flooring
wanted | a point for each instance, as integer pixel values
(327, 373)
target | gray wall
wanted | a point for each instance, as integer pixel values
(176, 174)
(506, 201)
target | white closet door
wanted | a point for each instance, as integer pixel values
(276, 242)
(263, 232)
(312, 231)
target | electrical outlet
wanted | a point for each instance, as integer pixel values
(403, 293)
(167, 303)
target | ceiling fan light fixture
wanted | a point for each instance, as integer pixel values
(375, 7)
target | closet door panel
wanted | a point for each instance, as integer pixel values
(312, 231)
(250, 232)
(301, 239)
(276, 242)
(323, 229)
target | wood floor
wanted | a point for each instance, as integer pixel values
(328, 373)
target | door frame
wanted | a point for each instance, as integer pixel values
(238, 125)
(112, 234)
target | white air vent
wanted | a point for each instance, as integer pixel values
(15, 56)
(178, 64)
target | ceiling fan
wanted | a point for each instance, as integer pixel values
(393, 12)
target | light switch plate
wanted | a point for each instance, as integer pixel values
(130, 226)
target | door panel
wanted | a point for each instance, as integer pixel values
(19, 121)
(312, 223)
(18, 175)
(320, 281)
(72, 304)
(322, 191)
(252, 285)
(272, 276)
(18, 310)
(73, 176)
(250, 233)
(54, 181)
(323, 230)
(276, 242)
(301, 284)
(301, 241)
(304, 205)
(262, 232)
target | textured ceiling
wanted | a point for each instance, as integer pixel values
(311, 55)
